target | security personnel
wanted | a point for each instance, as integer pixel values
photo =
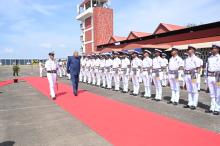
(41, 66)
(125, 66)
(116, 65)
(146, 73)
(52, 67)
(214, 80)
(102, 70)
(108, 68)
(89, 69)
(60, 68)
(176, 64)
(83, 64)
(81, 75)
(93, 69)
(191, 70)
(157, 74)
(201, 69)
(136, 64)
(164, 66)
(97, 70)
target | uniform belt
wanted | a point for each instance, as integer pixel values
(52, 71)
(188, 72)
(157, 70)
(173, 71)
(146, 69)
(213, 73)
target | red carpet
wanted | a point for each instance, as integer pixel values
(124, 125)
(4, 83)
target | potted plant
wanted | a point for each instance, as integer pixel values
(16, 70)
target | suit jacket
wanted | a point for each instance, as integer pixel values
(73, 65)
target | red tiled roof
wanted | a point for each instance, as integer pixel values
(117, 38)
(140, 34)
(172, 27)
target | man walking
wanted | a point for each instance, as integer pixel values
(52, 67)
(73, 67)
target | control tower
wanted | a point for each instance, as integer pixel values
(96, 23)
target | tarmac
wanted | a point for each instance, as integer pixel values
(28, 118)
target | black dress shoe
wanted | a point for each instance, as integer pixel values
(208, 111)
(215, 113)
(54, 98)
(193, 108)
(158, 100)
(153, 99)
(135, 95)
(169, 102)
(175, 103)
(186, 106)
(132, 94)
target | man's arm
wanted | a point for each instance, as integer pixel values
(68, 65)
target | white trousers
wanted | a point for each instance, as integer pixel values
(98, 78)
(93, 77)
(125, 80)
(109, 80)
(52, 78)
(164, 79)
(214, 94)
(192, 90)
(175, 88)
(85, 75)
(41, 72)
(81, 76)
(147, 83)
(89, 76)
(136, 84)
(157, 84)
(199, 82)
(103, 76)
(60, 72)
(116, 81)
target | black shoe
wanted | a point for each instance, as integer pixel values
(153, 99)
(158, 100)
(215, 113)
(132, 94)
(175, 103)
(169, 102)
(186, 106)
(208, 111)
(54, 98)
(193, 108)
(135, 95)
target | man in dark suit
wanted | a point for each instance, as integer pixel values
(73, 68)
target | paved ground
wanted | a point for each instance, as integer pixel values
(29, 118)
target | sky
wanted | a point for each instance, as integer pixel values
(32, 28)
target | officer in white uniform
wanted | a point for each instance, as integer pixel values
(146, 73)
(41, 66)
(93, 70)
(81, 75)
(108, 68)
(52, 67)
(116, 65)
(136, 65)
(164, 69)
(214, 80)
(176, 65)
(191, 69)
(97, 70)
(201, 69)
(60, 68)
(102, 70)
(125, 68)
(157, 74)
(89, 69)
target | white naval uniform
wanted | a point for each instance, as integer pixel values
(157, 75)
(199, 74)
(52, 65)
(88, 71)
(108, 65)
(174, 74)
(41, 66)
(190, 64)
(97, 72)
(125, 63)
(102, 72)
(60, 69)
(214, 87)
(93, 71)
(146, 75)
(164, 65)
(81, 70)
(115, 66)
(136, 64)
